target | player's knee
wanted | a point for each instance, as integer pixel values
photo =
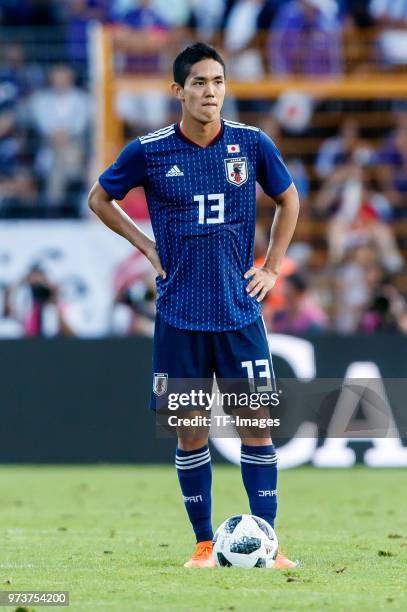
(189, 443)
(255, 438)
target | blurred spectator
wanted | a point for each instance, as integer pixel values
(142, 54)
(241, 41)
(9, 326)
(12, 145)
(152, 32)
(305, 39)
(342, 149)
(294, 163)
(78, 15)
(275, 299)
(177, 13)
(402, 321)
(301, 315)
(392, 167)
(134, 308)
(269, 12)
(16, 69)
(391, 15)
(60, 115)
(366, 297)
(37, 305)
(355, 12)
(357, 211)
(357, 24)
(383, 312)
(29, 13)
(355, 280)
(11, 142)
(19, 196)
(206, 19)
(171, 12)
(299, 175)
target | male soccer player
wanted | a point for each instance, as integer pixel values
(200, 181)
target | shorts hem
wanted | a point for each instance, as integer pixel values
(177, 325)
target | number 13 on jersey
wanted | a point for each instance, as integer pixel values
(215, 204)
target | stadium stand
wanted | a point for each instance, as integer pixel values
(336, 111)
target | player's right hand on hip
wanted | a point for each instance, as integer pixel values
(154, 259)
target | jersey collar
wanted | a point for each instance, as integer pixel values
(215, 139)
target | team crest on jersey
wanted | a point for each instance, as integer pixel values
(236, 170)
(160, 383)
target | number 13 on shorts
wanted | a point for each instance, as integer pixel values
(260, 368)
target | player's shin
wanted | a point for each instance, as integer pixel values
(259, 473)
(195, 478)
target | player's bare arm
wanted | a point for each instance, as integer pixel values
(282, 230)
(116, 219)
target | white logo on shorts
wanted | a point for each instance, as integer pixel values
(160, 383)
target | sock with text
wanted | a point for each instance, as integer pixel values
(259, 473)
(195, 478)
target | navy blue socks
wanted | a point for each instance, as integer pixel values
(195, 478)
(259, 473)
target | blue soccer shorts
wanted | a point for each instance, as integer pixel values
(181, 354)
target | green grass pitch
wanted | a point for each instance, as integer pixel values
(116, 538)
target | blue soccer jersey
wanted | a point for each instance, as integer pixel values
(202, 205)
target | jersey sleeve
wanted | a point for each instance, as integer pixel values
(272, 173)
(128, 171)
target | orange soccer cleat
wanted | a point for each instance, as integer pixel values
(282, 562)
(202, 556)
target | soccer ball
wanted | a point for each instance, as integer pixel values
(245, 541)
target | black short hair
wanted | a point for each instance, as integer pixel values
(190, 56)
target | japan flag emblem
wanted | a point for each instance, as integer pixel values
(236, 170)
(233, 148)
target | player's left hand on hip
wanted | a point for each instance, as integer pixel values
(262, 281)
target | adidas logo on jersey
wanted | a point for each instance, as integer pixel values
(174, 171)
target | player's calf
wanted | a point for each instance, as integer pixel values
(195, 478)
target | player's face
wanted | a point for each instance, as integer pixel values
(204, 91)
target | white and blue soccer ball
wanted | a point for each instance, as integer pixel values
(245, 541)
